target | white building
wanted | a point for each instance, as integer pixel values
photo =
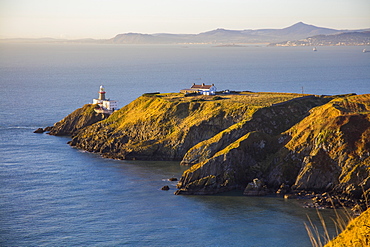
(201, 89)
(106, 105)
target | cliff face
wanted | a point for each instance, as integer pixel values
(271, 120)
(332, 146)
(240, 153)
(307, 143)
(327, 150)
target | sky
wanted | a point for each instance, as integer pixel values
(103, 19)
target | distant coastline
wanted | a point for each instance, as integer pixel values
(341, 39)
(299, 34)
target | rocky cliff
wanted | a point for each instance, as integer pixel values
(332, 146)
(240, 153)
(305, 143)
(327, 150)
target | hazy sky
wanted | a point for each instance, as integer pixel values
(106, 18)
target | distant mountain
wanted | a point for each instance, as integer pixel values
(303, 30)
(221, 36)
(135, 38)
(297, 31)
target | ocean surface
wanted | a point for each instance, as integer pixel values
(55, 195)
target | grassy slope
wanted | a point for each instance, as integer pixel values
(357, 233)
(152, 123)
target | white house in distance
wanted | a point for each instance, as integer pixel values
(106, 105)
(201, 89)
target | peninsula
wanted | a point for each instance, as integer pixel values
(256, 142)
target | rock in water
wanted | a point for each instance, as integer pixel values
(166, 187)
(39, 130)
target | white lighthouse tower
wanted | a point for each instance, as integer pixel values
(101, 93)
(106, 105)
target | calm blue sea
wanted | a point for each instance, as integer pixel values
(55, 195)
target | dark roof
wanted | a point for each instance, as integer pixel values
(203, 86)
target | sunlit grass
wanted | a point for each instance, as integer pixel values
(350, 231)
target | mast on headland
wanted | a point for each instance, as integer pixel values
(105, 105)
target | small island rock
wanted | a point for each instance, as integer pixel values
(39, 130)
(166, 187)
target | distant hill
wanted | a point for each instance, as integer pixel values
(297, 31)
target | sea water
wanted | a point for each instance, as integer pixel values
(55, 195)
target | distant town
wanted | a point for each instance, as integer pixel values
(341, 39)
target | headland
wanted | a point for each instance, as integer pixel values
(291, 144)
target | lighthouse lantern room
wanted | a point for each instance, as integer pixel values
(106, 105)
